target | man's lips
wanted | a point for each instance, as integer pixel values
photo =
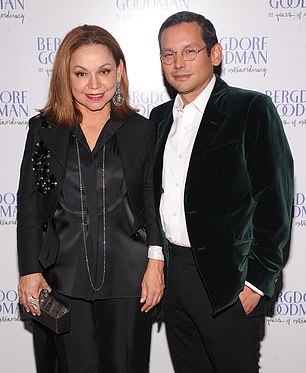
(95, 97)
(181, 76)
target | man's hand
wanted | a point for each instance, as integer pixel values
(152, 286)
(249, 299)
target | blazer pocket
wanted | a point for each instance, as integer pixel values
(223, 148)
(222, 157)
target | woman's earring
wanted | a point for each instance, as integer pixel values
(118, 98)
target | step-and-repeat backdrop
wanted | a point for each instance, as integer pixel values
(264, 49)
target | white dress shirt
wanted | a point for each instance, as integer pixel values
(179, 145)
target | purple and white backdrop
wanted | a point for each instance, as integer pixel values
(264, 49)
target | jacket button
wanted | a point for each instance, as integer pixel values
(191, 212)
(136, 236)
(201, 248)
(44, 227)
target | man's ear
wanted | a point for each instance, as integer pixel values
(216, 54)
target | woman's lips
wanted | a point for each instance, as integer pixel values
(95, 97)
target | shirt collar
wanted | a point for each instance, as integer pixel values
(199, 103)
(110, 128)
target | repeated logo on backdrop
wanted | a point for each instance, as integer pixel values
(290, 105)
(8, 209)
(9, 306)
(14, 107)
(245, 55)
(289, 309)
(287, 10)
(12, 10)
(145, 101)
(299, 210)
(47, 47)
(130, 8)
(132, 5)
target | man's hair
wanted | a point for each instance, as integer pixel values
(208, 31)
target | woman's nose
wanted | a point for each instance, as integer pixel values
(94, 82)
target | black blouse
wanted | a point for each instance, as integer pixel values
(116, 267)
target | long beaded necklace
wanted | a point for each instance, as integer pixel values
(83, 215)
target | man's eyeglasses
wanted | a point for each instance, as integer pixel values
(189, 54)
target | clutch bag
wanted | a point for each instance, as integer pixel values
(55, 314)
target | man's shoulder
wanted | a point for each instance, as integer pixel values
(161, 111)
(237, 93)
(233, 91)
(245, 92)
(237, 100)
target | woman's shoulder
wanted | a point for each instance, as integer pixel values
(137, 118)
(137, 122)
(35, 121)
(39, 121)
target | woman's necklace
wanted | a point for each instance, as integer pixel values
(83, 215)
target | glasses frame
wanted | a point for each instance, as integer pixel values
(197, 51)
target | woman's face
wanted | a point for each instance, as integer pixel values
(93, 77)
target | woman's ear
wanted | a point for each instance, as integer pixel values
(119, 71)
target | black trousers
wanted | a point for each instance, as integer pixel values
(107, 336)
(199, 342)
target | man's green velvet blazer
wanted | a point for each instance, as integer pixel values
(238, 193)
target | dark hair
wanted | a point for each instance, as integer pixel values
(208, 31)
(60, 107)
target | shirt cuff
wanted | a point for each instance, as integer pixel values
(155, 252)
(254, 288)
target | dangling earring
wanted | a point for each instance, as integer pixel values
(118, 98)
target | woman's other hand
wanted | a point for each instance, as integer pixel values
(153, 284)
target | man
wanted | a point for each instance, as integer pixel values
(223, 187)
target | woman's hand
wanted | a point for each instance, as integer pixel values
(153, 284)
(29, 288)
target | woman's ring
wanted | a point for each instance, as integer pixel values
(33, 301)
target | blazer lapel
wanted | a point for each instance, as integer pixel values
(211, 122)
(128, 141)
(56, 139)
(162, 135)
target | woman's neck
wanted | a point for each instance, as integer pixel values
(92, 126)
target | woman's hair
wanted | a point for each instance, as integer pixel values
(61, 107)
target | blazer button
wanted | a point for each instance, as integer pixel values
(136, 236)
(198, 249)
(44, 227)
(191, 212)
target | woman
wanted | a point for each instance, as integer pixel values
(85, 212)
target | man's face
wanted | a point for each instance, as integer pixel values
(189, 78)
